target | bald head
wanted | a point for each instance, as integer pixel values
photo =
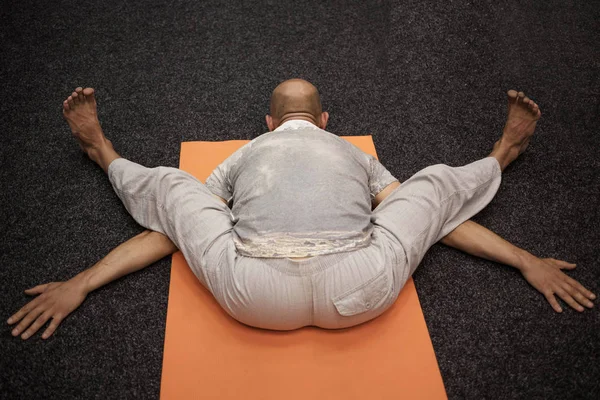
(295, 99)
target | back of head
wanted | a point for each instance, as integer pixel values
(295, 98)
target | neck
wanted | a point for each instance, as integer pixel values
(298, 116)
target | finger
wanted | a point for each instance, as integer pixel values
(39, 322)
(552, 300)
(580, 287)
(37, 289)
(29, 318)
(564, 265)
(23, 311)
(577, 295)
(52, 327)
(568, 299)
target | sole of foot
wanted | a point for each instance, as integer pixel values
(523, 114)
(80, 112)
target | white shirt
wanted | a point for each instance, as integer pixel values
(299, 191)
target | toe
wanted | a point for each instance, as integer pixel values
(66, 105)
(512, 96)
(526, 100)
(536, 110)
(75, 98)
(521, 96)
(70, 101)
(89, 94)
(80, 95)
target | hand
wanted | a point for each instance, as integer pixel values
(546, 276)
(56, 301)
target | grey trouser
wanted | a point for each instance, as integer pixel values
(330, 291)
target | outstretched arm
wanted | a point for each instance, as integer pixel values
(543, 274)
(56, 300)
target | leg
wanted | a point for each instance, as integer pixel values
(79, 109)
(165, 200)
(523, 114)
(433, 202)
(436, 200)
(173, 202)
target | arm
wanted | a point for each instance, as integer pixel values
(59, 299)
(219, 182)
(543, 274)
(478, 241)
(222, 199)
(384, 193)
(133, 255)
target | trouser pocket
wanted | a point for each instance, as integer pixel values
(365, 296)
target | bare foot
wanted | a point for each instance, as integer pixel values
(523, 114)
(79, 109)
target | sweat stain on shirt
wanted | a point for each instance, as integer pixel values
(299, 191)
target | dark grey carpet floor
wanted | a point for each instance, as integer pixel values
(426, 78)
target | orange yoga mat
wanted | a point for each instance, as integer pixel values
(209, 355)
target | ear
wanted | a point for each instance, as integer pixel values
(270, 124)
(323, 120)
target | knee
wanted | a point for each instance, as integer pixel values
(438, 174)
(436, 181)
(437, 170)
(166, 172)
(171, 184)
(170, 176)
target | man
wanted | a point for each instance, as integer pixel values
(319, 233)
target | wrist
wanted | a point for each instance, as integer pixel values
(524, 259)
(83, 281)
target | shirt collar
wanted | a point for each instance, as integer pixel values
(295, 124)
